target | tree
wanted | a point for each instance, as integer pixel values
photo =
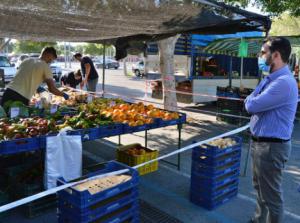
(93, 49)
(274, 7)
(31, 47)
(166, 55)
(285, 24)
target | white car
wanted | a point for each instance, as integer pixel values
(8, 68)
(139, 69)
(20, 60)
(56, 71)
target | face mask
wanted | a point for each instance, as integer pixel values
(262, 65)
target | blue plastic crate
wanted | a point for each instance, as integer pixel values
(139, 128)
(19, 145)
(214, 182)
(83, 199)
(211, 171)
(182, 117)
(128, 213)
(216, 161)
(211, 204)
(100, 209)
(209, 193)
(86, 134)
(110, 130)
(215, 151)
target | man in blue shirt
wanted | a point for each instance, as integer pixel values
(89, 72)
(273, 106)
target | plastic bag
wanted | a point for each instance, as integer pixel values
(63, 158)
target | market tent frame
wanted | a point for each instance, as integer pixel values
(112, 20)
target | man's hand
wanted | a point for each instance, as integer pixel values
(81, 84)
(40, 89)
(66, 96)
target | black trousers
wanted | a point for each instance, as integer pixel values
(10, 94)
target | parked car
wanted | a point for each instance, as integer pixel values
(139, 69)
(9, 69)
(56, 71)
(109, 63)
(20, 60)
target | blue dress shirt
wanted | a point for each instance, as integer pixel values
(273, 105)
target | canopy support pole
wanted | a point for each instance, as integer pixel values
(103, 70)
(230, 72)
(242, 71)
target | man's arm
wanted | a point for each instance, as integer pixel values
(273, 96)
(87, 72)
(52, 88)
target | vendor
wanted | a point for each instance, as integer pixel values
(89, 72)
(31, 73)
(71, 79)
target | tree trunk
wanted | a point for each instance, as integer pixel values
(166, 55)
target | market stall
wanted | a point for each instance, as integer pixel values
(87, 21)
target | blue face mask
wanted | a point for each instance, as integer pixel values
(262, 65)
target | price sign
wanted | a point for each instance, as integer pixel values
(53, 109)
(90, 98)
(14, 112)
(112, 103)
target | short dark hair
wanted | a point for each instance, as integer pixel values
(280, 44)
(77, 55)
(50, 50)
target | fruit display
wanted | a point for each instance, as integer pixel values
(84, 121)
(136, 114)
(25, 127)
(46, 99)
(222, 143)
(136, 151)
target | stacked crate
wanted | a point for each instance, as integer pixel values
(215, 174)
(114, 204)
(228, 106)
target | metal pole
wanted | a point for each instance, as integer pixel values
(65, 50)
(230, 73)
(179, 145)
(103, 70)
(146, 138)
(242, 70)
(70, 57)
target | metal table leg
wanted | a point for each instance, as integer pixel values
(179, 127)
(119, 140)
(146, 138)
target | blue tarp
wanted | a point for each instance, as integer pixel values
(204, 40)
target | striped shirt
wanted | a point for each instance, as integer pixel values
(273, 105)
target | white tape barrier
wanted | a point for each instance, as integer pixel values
(235, 131)
(62, 187)
(180, 107)
(54, 190)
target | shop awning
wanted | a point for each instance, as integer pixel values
(230, 46)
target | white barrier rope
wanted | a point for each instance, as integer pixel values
(26, 200)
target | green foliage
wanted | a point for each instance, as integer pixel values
(31, 47)
(274, 7)
(285, 25)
